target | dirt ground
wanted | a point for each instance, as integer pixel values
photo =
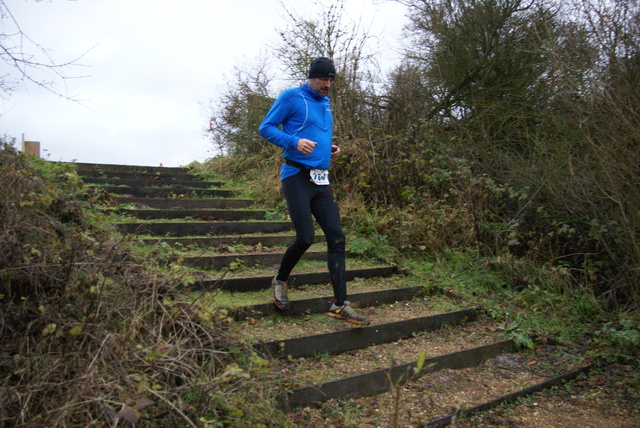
(605, 398)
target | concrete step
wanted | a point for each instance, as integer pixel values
(221, 241)
(379, 381)
(247, 260)
(185, 203)
(165, 175)
(181, 229)
(157, 192)
(195, 214)
(360, 338)
(256, 283)
(319, 305)
(151, 182)
(84, 168)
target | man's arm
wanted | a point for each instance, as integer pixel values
(277, 115)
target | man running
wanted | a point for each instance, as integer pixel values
(306, 138)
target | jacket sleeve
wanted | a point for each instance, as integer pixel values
(279, 112)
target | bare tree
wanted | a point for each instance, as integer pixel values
(347, 43)
(28, 61)
(239, 108)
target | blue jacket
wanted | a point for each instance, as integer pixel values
(303, 113)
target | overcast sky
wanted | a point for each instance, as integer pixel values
(150, 69)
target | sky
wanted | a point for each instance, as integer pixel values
(145, 71)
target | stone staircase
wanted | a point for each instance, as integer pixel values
(449, 365)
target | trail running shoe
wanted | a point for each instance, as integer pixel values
(347, 313)
(280, 297)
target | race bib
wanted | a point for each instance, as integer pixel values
(319, 176)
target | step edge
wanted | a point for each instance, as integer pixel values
(305, 306)
(265, 281)
(378, 381)
(350, 339)
(506, 399)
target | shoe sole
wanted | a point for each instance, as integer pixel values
(351, 320)
(281, 306)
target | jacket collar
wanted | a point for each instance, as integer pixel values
(312, 93)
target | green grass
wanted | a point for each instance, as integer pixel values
(529, 299)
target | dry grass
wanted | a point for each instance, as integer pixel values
(89, 336)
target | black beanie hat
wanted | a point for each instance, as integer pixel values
(322, 67)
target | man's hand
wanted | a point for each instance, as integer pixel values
(305, 146)
(335, 151)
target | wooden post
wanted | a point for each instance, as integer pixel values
(30, 147)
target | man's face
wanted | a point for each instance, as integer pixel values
(321, 85)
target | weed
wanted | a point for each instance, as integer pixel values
(90, 329)
(395, 386)
(621, 339)
(374, 246)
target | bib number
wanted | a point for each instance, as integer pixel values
(320, 177)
